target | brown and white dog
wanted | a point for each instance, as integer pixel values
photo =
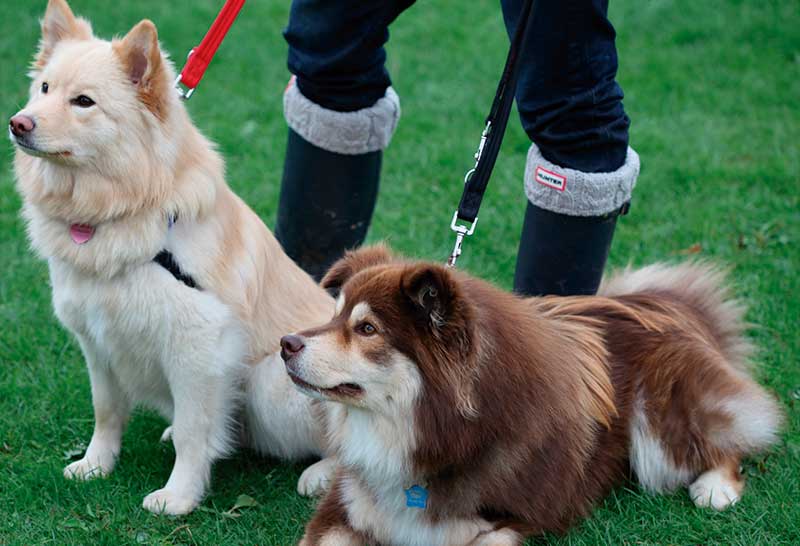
(467, 415)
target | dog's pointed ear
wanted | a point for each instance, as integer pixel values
(353, 262)
(432, 290)
(59, 23)
(141, 60)
(140, 54)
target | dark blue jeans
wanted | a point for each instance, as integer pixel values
(568, 100)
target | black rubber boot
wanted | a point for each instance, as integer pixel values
(326, 203)
(562, 255)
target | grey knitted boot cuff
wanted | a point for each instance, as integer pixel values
(351, 133)
(576, 193)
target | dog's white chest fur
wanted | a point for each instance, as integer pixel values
(141, 325)
(377, 452)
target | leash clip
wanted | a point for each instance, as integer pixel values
(464, 231)
(184, 94)
(461, 232)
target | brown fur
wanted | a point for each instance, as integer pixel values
(527, 405)
(352, 262)
(331, 516)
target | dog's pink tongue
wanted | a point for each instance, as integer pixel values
(81, 233)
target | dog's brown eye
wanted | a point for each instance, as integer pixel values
(45, 87)
(366, 329)
(83, 101)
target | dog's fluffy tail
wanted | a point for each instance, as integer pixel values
(702, 287)
(756, 416)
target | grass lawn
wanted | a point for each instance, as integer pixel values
(712, 89)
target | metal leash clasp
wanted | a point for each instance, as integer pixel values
(465, 231)
(461, 232)
(184, 94)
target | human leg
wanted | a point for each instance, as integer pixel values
(580, 170)
(341, 113)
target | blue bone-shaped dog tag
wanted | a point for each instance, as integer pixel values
(416, 497)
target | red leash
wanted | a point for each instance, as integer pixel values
(200, 57)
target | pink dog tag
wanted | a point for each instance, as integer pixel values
(81, 233)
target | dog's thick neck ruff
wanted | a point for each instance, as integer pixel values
(101, 210)
(104, 224)
(83, 233)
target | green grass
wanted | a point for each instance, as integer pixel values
(712, 88)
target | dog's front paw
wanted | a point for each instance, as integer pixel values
(89, 468)
(165, 501)
(316, 479)
(502, 537)
(714, 490)
(166, 436)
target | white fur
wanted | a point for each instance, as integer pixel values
(653, 467)
(713, 489)
(325, 364)
(339, 537)
(755, 420)
(340, 301)
(166, 436)
(150, 340)
(501, 537)
(279, 419)
(378, 445)
(316, 479)
(381, 509)
(360, 311)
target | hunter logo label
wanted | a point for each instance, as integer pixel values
(550, 179)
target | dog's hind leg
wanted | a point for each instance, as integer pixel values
(695, 418)
(748, 421)
(719, 487)
(111, 412)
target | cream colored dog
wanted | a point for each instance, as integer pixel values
(114, 174)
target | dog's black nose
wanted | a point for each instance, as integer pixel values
(21, 125)
(291, 345)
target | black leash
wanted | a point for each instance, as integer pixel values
(477, 178)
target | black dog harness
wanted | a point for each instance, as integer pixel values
(166, 260)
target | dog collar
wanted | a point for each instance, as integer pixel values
(83, 233)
